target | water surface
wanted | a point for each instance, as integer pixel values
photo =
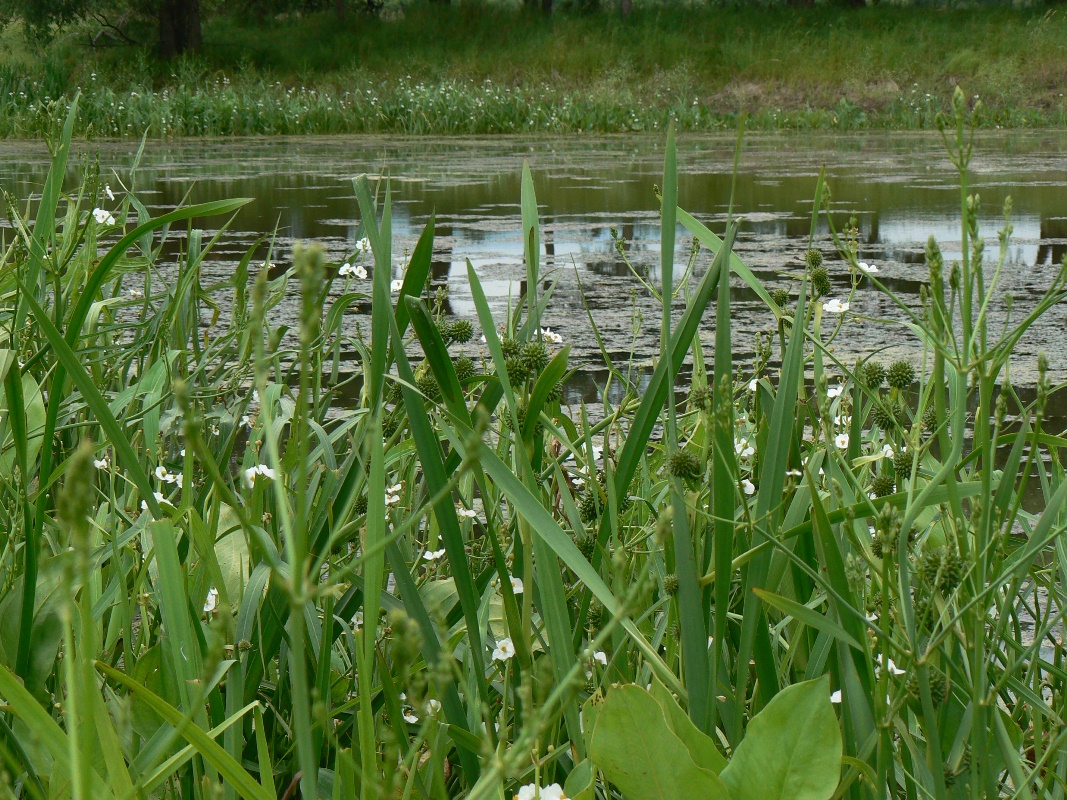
(899, 188)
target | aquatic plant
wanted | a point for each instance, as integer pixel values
(221, 580)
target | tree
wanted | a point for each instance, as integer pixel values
(178, 21)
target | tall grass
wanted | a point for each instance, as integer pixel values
(220, 583)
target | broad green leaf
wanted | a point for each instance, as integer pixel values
(700, 745)
(581, 783)
(791, 750)
(638, 752)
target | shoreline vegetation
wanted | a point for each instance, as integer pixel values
(478, 69)
(463, 587)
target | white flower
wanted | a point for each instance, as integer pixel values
(396, 285)
(466, 513)
(752, 385)
(159, 499)
(551, 337)
(410, 717)
(505, 650)
(601, 657)
(103, 216)
(260, 470)
(110, 194)
(246, 421)
(893, 668)
(360, 272)
(433, 555)
(835, 306)
(212, 601)
(794, 473)
(346, 270)
(392, 499)
(551, 792)
(887, 451)
(433, 705)
(841, 441)
(743, 448)
(835, 391)
(748, 486)
(100, 463)
(872, 617)
(396, 488)
(363, 245)
(836, 697)
(871, 268)
(357, 620)
(136, 294)
(162, 474)
(516, 585)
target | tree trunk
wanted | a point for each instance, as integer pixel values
(339, 10)
(546, 7)
(179, 27)
(626, 6)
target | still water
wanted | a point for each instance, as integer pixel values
(900, 189)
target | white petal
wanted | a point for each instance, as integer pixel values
(396, 286)
(836, 697)
(516, 585)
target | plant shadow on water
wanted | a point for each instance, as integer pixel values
(256, 549)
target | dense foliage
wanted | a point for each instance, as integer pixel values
(219, 580)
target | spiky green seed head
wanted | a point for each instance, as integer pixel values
(878, 545)
(686, 465)
(395, 393)
(464, 368)
(586, 543)
(873, 374)
(588, 505)
(813, 258)
(780, 297)
(939, 687)
(670, 584)
(882, 416)
(555, 394)
(518, 372)
(700, 398)
(929, 419)
(900, 375)
(427, 384)
(922, 606)
(951, 571)
(361, 505)
(390, 425)
(536, 356)
(461, 331)
(950, 776)
(820, 280)
(596, 615)
(902, 464)
(510, 347)
(882, 485)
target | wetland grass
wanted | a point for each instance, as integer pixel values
(804, 579)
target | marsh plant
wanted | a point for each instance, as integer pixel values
(804, 579)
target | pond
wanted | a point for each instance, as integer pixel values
(900, 189)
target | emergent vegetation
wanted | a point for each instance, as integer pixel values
(808, 579)
(475, 68)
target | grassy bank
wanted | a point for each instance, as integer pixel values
(485, 69)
